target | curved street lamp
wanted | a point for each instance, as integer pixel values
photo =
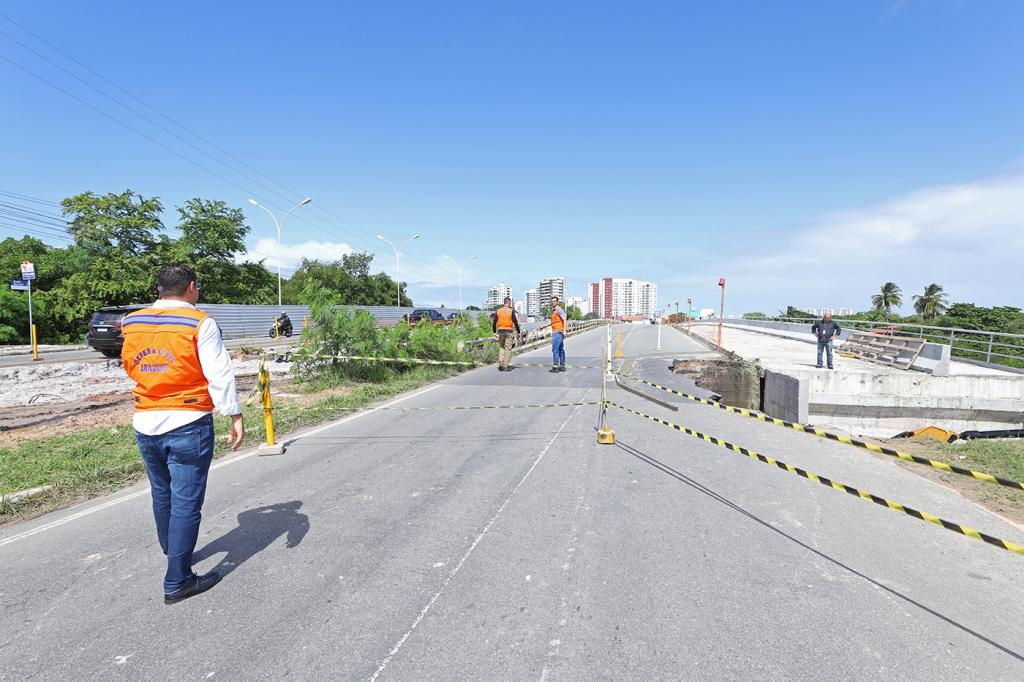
(280, 224)
(398, 261)
(460, 266)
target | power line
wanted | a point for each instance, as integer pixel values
(431, 269)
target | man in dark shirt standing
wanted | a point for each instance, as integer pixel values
(504, 322)
(826, 330)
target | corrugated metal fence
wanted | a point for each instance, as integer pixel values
(255, 321)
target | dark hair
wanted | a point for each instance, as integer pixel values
(556, 298)
(173, 279)
(508, 299)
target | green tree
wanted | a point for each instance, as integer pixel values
(344, 282)
(889, 297)
(754, 316)
(114, 225)
(931, 303)
(212, 238)
(590, 316)
(574, 313)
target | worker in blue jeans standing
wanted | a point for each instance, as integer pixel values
(826, 331)
(558, 334)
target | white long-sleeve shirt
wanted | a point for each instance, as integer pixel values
(219, 373)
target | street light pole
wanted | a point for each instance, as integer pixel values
(460, 266)
(721, 312)
(279, 225)
(398, 261)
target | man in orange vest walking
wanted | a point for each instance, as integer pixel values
(558, 335)
(174, 353)
(504, 322)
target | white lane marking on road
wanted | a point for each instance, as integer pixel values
(437, 595)
(218, 465)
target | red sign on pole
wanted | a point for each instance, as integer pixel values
(721, 282)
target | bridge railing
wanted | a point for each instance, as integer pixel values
(980, 346)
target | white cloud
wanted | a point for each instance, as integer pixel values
(292, 254)
(967, 237)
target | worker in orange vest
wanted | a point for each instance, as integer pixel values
(559, 332)
(182, 372)
(504, 321)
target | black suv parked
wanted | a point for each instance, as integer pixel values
(105, 329)
(420, 314)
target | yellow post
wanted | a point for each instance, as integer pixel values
(35, 345)
(305, 322)
(618, 350)
(268, 409)
(277, 329)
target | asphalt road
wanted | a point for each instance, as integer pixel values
(507, 544)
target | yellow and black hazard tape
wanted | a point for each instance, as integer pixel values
(450, 407)
(422, 361)
(262, 383)
(896, 506)
(814, 431)
(411, 361)
(548, 366)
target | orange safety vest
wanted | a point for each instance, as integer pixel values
(557, 323)
(505, 319)
(161, 355)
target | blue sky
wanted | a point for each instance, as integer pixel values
(807, 151)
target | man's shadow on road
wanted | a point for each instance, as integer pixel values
(257, 529)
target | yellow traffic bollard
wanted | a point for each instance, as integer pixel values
(270, 447)
(277, 330)
(35, 345)
(618, 350)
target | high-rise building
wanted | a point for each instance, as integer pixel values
(612, 297)
(497, 294)
(532, 302)
(577, 301)
(552, 286)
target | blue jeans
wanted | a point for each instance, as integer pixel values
(558, 349)
(177, 464)
(825, 346)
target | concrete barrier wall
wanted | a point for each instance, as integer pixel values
(785, 397)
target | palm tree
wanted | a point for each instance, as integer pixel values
(889, 296)
(932, 303)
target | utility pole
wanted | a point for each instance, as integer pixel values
(659, 332)
(721, 311)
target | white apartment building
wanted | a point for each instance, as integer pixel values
(532, 302)
(497, 294)
(577, 301)
(552, 286)
(612, 297)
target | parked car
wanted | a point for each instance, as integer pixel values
(420, 314)
(105, 329)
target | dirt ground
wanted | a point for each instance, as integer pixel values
(67, 397)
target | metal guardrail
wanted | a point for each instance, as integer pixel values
(979, 345)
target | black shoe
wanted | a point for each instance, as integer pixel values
(500, 368)
(831, 367)
(818, 366)
(197, 585)
(553, 370)
(561, 368)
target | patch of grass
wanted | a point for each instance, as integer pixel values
(1003, 458)
(88, 463)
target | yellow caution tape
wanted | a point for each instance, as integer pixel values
(895, 506)
(807, 428)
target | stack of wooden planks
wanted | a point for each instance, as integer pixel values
(883, 349)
